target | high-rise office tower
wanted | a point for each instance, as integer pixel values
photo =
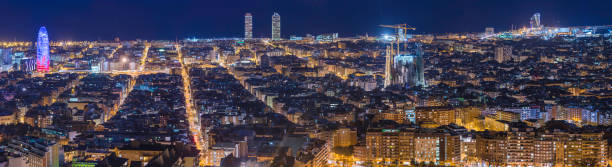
(535, 21)
(276, 27)
(248, 26)
(42, 50)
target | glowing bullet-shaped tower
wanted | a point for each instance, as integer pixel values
(42, 50)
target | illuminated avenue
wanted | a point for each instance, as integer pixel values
(532, 96)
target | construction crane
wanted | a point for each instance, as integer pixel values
(400, 34)
(400, 28)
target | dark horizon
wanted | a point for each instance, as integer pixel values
(151, 20)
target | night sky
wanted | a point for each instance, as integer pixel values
(155, 19)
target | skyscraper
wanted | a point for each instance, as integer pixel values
(42, 50)
(535, 21)
(276, 27)
(248, 26)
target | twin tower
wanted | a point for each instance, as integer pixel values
(276, 26)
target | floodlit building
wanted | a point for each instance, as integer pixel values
(525, 147)
(385, 145)
(42, 51)
(276, 27)
(439, 115)
(406, 146)
(508, 116)
(248, 26)
(36, 151)
(407, 69)
(535, 21)
(344, 137)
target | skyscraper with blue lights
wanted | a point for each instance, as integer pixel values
(535, 23)
(42, 50)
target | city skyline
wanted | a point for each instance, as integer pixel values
(331, 83)
(160, 20)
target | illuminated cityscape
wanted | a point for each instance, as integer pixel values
(530, 87)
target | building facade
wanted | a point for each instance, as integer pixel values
(405, 69)
(248, 26)
(535, 21)
(42, 51)
(276, 27)
(37, 152)
(503, 53)
(344, 137)
(526, 147)
(409, 146)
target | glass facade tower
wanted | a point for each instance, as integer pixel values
(276, 27)
(42, 50)
(248, 26)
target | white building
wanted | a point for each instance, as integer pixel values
(276, 27)
(248, 26)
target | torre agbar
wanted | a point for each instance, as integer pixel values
(42, 51)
